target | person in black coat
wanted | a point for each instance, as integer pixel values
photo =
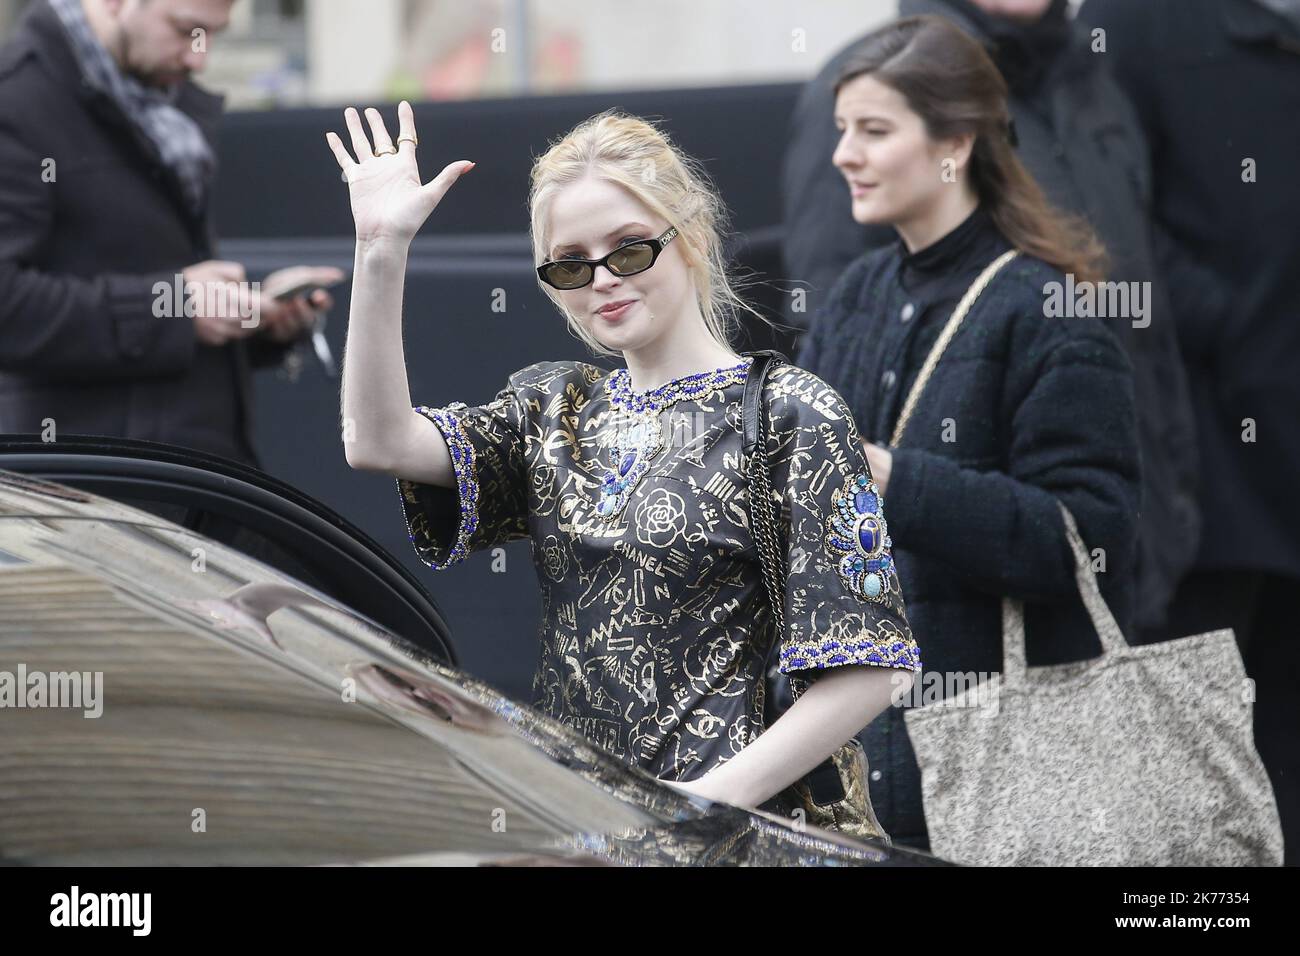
(1079, 137)
(1026, 406)
(1217, 86)
(105, 180)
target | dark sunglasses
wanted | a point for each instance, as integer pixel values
(626, 260)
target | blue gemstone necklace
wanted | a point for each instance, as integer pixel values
(639, 436)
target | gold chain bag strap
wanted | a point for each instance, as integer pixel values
(847, 807)
(941, 343)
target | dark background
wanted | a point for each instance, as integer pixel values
(280, 201)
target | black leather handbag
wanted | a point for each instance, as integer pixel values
(835, 794)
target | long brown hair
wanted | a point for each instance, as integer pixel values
(950, 81)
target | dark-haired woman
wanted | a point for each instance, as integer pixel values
(1025, 407)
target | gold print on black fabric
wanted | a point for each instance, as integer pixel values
(554, 558)
(545, 493)
(598, 582)
(660, 518)
(650, 645)
(704, 724)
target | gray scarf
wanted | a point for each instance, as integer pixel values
(179, 140)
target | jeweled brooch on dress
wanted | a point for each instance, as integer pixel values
(638, 442)
(633, 450)
(857, 535)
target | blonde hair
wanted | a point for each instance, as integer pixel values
(634, 154)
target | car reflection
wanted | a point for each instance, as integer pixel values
(297, 729)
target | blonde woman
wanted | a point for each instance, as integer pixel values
(656, 626)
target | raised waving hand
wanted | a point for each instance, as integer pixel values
(389, 202)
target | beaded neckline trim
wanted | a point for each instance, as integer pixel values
(618, 387)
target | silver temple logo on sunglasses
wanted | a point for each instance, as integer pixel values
(626, 260)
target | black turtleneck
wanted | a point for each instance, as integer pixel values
(921, 289)
(932, 263)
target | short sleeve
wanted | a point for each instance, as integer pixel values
(489, 504)
(843, 601)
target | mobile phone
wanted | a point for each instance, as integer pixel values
(302, 288)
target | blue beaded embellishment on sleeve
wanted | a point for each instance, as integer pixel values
(882, 650)
(465, 466)
(856, 534)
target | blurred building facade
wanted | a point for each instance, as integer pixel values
(324, 52)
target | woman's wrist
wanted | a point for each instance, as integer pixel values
(382, 249)
(728, 783)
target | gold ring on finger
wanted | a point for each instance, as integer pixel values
(413, 140)
(386, 151)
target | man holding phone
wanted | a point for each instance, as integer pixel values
(116, 316)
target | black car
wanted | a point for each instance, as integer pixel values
(200, 665)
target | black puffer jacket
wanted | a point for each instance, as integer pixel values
(1041, 409)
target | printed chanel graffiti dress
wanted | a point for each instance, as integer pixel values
(655, 621)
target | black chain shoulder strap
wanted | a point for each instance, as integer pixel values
(762, 510)
(835, 793)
